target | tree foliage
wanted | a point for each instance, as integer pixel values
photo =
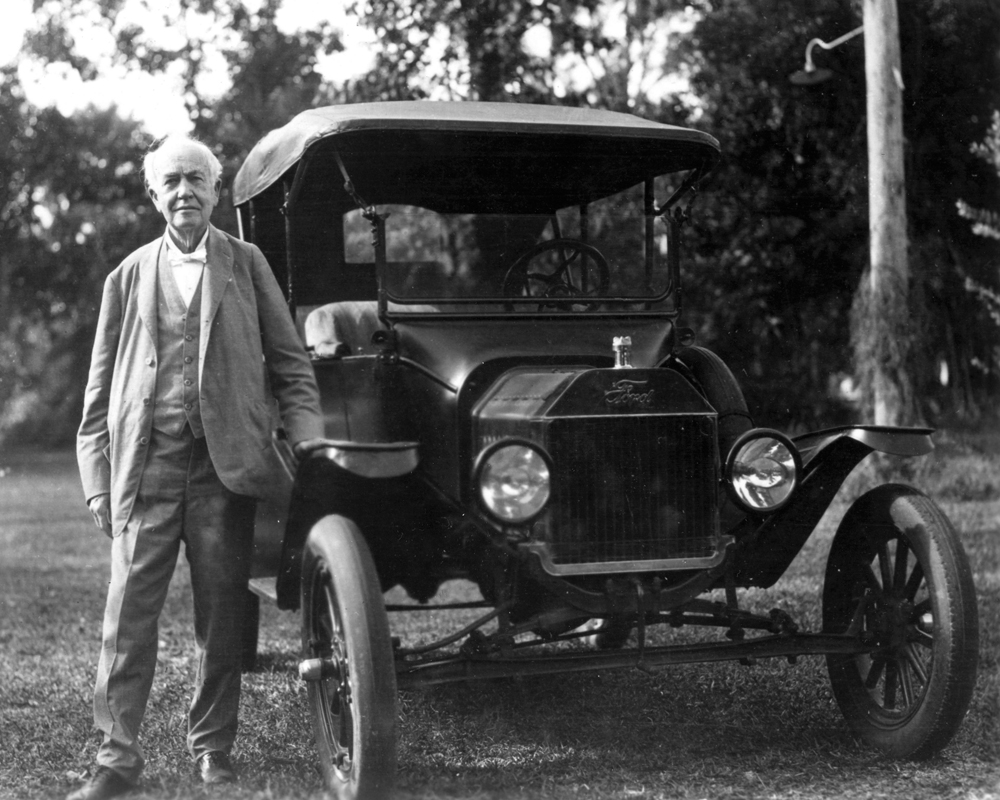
(986, 223)
(603, 53)
(777, 240)
(270, 73)
(782, 234)
(72, 205)
(467, 49)
(273, 77)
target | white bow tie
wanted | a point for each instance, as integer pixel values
(176, 259)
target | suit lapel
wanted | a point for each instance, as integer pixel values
(156, 259)
(214, 280)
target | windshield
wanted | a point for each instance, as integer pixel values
(579, 257)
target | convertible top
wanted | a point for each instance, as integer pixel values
(438, 154)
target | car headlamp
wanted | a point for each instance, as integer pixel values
(513, 480)
(762, 470)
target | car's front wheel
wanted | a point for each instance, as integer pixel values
(898, 578)
(348, 662)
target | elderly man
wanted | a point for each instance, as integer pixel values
(194, 344)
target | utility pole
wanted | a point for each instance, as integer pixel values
(884, 338)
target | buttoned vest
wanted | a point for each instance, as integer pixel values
(177, 346)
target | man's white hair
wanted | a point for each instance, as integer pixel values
(174, 139)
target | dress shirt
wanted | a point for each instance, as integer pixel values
(186, 267)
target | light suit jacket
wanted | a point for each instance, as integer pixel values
(250, 354)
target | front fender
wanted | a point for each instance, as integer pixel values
(767, 545)
(312, 498)
(371, 484)
(891, 441)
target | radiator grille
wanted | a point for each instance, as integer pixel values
(633, 489)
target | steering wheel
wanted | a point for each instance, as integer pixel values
(568, 275)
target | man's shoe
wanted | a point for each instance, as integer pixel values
(105, 784)
(215, 767)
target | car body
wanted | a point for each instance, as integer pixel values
(492, 297)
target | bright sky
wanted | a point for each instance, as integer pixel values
(155, 99)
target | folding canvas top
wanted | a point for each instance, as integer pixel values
(467, 156)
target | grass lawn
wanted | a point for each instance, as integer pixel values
(701, 731)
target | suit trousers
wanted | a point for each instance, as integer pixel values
(180, 498)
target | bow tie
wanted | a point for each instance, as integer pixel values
(176, 259)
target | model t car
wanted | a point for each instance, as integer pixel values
(492, 297)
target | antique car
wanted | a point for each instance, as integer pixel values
(491, 294)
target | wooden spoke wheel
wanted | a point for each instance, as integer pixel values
(348, 662)
(898, 578)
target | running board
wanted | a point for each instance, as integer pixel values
(410, 674)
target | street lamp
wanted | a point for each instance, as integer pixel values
(810, 74)
(884, 293)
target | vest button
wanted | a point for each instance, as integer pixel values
(145, 401)
(188, 406)
(144, 440)
(188, 382)
(188, 359)
(189, 338)
(149, 362)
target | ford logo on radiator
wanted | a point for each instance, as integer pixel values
(628, 394)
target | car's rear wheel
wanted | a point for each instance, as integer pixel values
(348, 662)
(898, 578)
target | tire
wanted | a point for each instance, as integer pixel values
(897, 568)
(344, 622)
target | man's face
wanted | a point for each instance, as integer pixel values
(183, 190)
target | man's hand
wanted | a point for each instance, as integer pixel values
(306, 446)
(331, 350)
(100, 507)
